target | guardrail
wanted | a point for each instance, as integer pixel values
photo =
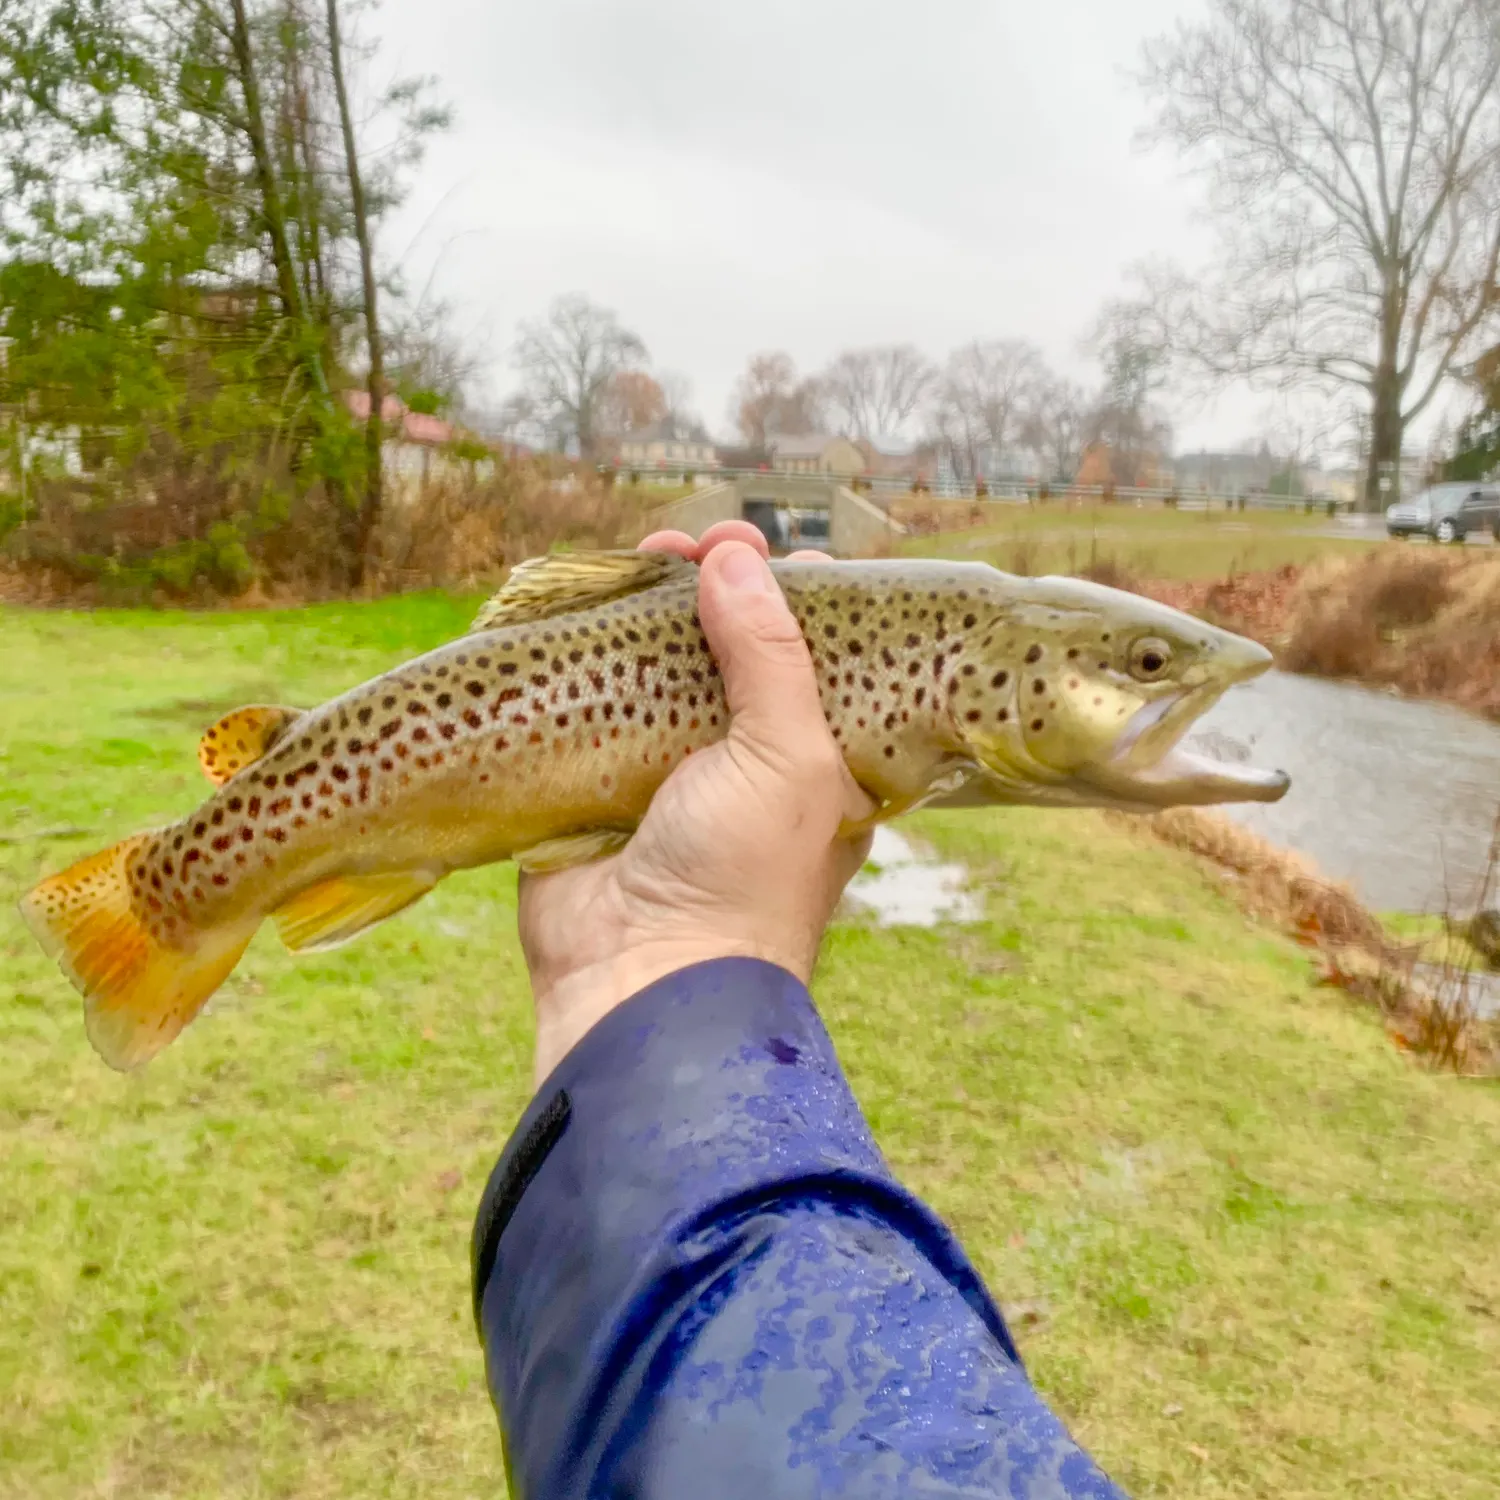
(885, 489)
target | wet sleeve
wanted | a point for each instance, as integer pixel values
(695, 1275)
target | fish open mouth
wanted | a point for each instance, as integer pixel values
(1150, 768)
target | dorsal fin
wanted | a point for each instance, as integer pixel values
(542, 587)
(240, 738)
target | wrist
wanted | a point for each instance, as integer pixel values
(571, 1004)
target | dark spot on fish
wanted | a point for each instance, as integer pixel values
(199, 829)
(1036, 724)
(507, 669)
(970, 621)
(1039, 686)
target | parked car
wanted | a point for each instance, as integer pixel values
(1447, 512)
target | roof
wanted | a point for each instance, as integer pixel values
(416, 426)
(804, 444)
(669, 430)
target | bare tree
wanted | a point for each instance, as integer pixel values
(567, 362)
(1053, 426)
(980, 403)
(631, 400)
(770, 402)
(875, 391)
(1353, 151)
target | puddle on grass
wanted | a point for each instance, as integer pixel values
(902, 888)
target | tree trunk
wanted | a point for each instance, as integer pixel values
(1387, 425)
(308, 348)
(1386, 432)
(273, 211)
(369, 512)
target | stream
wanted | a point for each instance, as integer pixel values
(1396, 796)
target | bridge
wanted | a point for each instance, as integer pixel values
(788, 509)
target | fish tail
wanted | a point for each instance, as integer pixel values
(139, 990)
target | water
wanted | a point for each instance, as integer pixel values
(907, 890)
(1394, 796)
(1397, 797)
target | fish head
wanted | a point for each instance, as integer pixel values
(1103, 685)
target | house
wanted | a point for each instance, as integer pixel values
(1228, 473)
(893, 466)
(419, 448)
(816, 453)
(672, 445)
(745, 456)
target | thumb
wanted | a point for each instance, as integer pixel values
(769, 678)
(768, 671)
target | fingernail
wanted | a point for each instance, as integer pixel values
(745, 571)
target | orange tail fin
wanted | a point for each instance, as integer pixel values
(138, 992)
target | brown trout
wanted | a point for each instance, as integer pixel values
(542, 736)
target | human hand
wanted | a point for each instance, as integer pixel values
(738, 854)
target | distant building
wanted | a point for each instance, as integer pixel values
(816, 453)
(746, 456)
(893, 460)
(418, 448)
(671, 444)
(1227, 473)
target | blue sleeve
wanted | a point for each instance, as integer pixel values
(694, 1275)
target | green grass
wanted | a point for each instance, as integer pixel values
(1153, 542)
(1250, 1249)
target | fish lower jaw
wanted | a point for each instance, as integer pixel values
(1179, 778)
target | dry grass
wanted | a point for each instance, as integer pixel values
(466, 536)
(1429, 1008)
(1423, 622)
(453, 533)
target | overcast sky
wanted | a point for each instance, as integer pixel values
(797, 174)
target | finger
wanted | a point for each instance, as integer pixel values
(670, 541)
(732, 531)
(808, 554)
(768, 672)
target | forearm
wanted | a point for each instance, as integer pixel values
(692, 1261)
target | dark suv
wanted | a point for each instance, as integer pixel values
(1447, 512)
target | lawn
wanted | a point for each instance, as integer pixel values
(1150, 542)
(1249, 1249)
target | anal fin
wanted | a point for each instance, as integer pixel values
(241, 738)
(552, 855)
(332, 912)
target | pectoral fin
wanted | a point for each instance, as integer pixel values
(241, 738)
(545, 586)
(329, 914)
(951, 777)
(576, 849)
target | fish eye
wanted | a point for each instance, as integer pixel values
(1149, 658)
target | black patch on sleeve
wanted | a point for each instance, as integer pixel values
(513, 1174)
